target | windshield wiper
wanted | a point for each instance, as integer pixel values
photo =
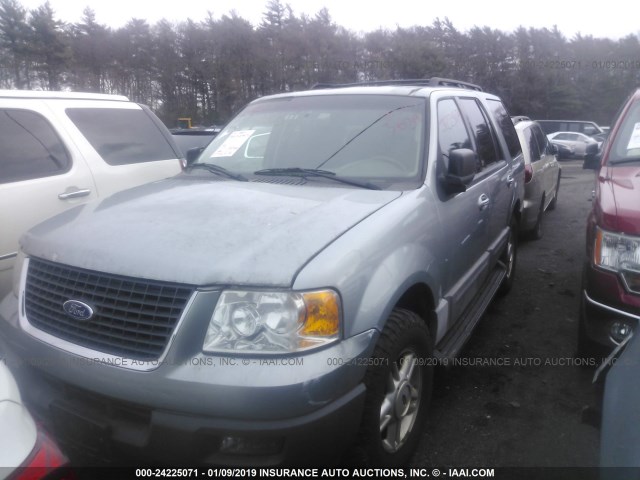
(218, 170)
(314, 172)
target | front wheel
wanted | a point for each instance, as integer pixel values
(399, 383)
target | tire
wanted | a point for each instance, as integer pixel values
(554, 200)
(509, 257)
(537, 233)
(399, 382)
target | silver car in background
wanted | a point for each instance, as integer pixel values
(577, 142)
(542, 176)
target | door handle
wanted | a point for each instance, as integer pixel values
(483, 201)
(74, 194)
(510, 179)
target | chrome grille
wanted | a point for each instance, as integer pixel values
(133, 318)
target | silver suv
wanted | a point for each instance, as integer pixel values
(287, 298)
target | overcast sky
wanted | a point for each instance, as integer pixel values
(607, 19)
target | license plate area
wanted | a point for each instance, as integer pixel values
(80, 435)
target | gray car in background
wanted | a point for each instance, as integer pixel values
(287, 298)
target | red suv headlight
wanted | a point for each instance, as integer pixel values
(621, 254)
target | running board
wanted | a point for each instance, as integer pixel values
(450, 346)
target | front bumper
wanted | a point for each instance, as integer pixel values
(194, 408)
(605, 301)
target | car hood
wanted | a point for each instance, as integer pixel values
(619, 202)
(201, 231)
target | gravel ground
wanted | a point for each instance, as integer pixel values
(516, 396)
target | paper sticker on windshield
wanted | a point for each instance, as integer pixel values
(233, 143)
(634, 141)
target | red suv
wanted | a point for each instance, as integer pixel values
(610, 304)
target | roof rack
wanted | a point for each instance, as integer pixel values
(425, 82)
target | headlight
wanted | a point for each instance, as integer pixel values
(273, 322)
(621, 254)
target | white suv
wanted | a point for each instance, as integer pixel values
(60, 149)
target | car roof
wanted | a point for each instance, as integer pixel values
(40, 94)
(573, 121)
(417, 88)
(574, 133)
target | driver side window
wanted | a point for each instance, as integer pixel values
(452, 132)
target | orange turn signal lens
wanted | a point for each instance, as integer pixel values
(323, 314)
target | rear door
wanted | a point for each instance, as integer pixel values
(547, 162)
(124, 143)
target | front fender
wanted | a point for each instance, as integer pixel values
(378, 260)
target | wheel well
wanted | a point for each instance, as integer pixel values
(419, 300)
(517, 211)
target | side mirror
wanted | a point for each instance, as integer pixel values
(193, 154)
(553, 150)
(462, 168)
(592, 157)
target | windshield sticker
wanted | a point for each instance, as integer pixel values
(232, 144)
(634, 141)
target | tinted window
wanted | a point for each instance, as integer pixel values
(482, 131)
(506, 125)
(532, 144)
(29, 147)
(452, 133)
(122, 136)
(541, 138)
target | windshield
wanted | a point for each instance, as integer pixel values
(377, 138)
(626, 145)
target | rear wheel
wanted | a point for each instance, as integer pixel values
(399, 383)
(536, 233)
(509, 257)
(554, 200)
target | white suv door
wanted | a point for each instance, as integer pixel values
(40, 175)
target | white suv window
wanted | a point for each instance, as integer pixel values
(29, 147)
(121, 135)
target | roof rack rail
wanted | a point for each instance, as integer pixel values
(426, 82)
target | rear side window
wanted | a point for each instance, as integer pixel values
(482, 131)
(506, 125)
(122, 136)
(29, 147)
(532, 144)
(541, 138)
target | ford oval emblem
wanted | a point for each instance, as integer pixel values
(77, 310)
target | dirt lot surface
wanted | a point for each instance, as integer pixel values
(516, 396)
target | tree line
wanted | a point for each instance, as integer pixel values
(207, 69)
